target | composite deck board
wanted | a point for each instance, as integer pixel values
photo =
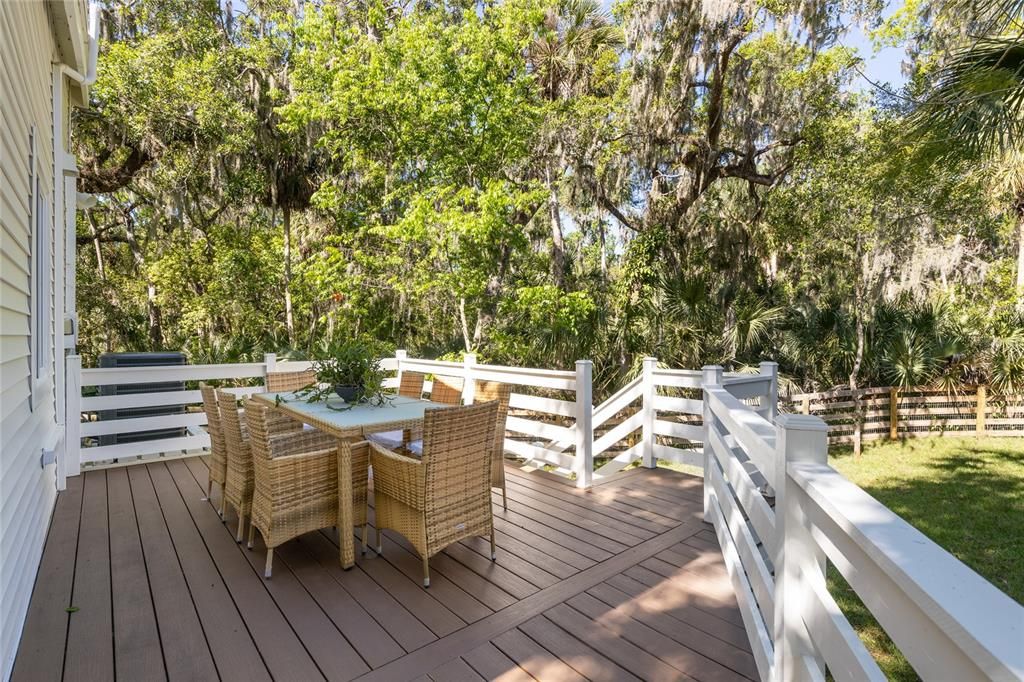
(456, 670)
(588, 662)
(690, 636)
(41, 651)
(234, 652)
(137, 652)
(604, 500)
(678, 604)
(90, 647)
(488, 662)
(588, 508)
(615, 583)
(332, 655)
(185, 648)
(534, 658)
(682, 658)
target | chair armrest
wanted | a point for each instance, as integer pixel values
(397, 476)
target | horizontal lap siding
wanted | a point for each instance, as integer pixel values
(27, 492)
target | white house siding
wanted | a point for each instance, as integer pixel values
(27, 423)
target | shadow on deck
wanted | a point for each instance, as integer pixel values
(140, 578)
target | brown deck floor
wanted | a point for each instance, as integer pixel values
(140, 580)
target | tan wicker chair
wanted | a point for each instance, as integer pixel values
(444, 496)
(483, 392)
(218, 462)
(447, 390)
(239, 479)
(296, 481)
(411, 385)
(278, 382)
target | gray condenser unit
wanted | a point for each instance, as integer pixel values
(125, 360)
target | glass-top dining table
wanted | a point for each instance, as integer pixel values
(350, 423)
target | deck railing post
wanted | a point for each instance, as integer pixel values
(270, 365)
(770, 406)
(584, 463)
(797, 558)
(711, 377)
(468, 384)
(400, 355)
(72, 465)
(647, 406)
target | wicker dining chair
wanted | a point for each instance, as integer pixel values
(483, 392)
(445, 495)
(296, 481)
(238, 482)
(278, 382)
(447, 390)
(217, 462)
(411, 385)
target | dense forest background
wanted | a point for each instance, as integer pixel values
(542, 180)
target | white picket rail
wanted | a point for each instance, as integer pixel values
(949, 622)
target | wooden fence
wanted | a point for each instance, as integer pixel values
(890, 412)
(780, 511)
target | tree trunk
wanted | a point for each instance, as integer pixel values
(288, 319)
(1020, 256)
(858, 359)
(557, 239)
(156, 336)
(604, 248)
(465, 324)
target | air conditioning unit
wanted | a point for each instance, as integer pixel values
(125, 360)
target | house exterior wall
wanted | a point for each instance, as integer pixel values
(35, 39)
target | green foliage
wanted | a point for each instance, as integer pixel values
(351, 363)
(537, 181)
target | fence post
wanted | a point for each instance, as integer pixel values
(647, 407)
(468, 384)
(399, 356)
(797, 559)
(711, 376)
(894, 413)
(770, 410)
(270, 362)
(584, 463)
(979, 426)
(72, 465)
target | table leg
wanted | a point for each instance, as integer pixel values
(348, 554)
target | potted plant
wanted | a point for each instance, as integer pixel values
(351, 369)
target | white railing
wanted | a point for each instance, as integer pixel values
(552, 421)
(948, 621)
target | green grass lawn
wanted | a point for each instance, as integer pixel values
(966, 494)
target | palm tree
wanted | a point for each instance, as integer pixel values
(976, 104)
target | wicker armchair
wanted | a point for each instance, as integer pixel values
(486, 391)
(444, 496)
(218, 462)
(296, 481)
(447, 390)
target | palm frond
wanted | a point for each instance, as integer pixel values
(977, 103)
